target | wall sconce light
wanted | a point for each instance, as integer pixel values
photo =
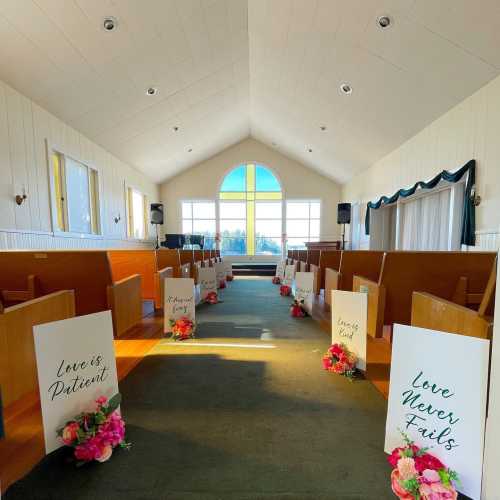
(117, 219)
(475, 198)
(21, 197)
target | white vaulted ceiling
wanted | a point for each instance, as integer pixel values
(227, 69)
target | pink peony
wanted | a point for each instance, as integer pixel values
(101, 401)
(430, 476)
(437, 491)
(105, 454)
(406, 468)
(70, 433)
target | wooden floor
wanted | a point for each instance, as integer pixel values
(23, 446)
(378, 350)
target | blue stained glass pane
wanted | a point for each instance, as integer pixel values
(265, 180)
(235, 180)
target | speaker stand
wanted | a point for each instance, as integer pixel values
(343, 236)
(157, 247)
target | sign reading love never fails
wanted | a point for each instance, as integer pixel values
(76, 364)
(437, 396)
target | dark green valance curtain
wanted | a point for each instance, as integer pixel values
(469, 212)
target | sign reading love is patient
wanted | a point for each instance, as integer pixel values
(437, 396)
(349, 320)
(179, 300)
(76, 364)
(303, 289)
(220, 273)
(208, 281)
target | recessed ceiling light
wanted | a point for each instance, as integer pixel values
(175, 129)
(346, 88)
(322, 127)
(151, 91)
(190, 150)
(109, 24)
(309, 150)
(384, 22)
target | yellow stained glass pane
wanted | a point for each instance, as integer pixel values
(250, 228)
(250, 196)
(232, 196)
(250, 177)
(57, 171)
(268, 196)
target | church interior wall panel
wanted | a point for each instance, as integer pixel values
(470, 130)
(25, 129)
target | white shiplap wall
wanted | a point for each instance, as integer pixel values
(471, 130)
(24, 129)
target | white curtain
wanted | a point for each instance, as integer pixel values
(426, 222)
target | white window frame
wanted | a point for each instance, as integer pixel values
(281, 202)
(199, 200)
(286, 218)
(98, 206)
(129, 214)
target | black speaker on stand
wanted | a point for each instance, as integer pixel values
(157, 219)
(343, 217)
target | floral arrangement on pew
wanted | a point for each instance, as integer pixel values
(338, 359)
(285, 290)
(229, 277)
(276, 280)
(297, 309)
(96, 434)
(222, 284)
(182, 328)
(418, 475)
(212, 298)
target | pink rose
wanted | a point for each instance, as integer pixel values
(101, 401)
(430, 476)
(327, 362)
(437, 491)
(105, 454)
(70, 433)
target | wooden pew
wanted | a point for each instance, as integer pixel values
(87, 272)
(313, 257)
(18, 375)
(171, 258)
(451, 276)
(358, 262)
(187, 257)
(436, 313)
(13, 297)
(328, 259)
(303, 265)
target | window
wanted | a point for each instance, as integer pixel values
(250, 212)
(137, 214)
(302, 222)
(198, 217)
(75, 195)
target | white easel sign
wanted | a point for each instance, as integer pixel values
(208, 281)
(220, 273)
(179, 300)
(76, 364)
(289, 274)
(280, 269)
(437, 396)
(349, 322)
(303, 289)
(228, 267)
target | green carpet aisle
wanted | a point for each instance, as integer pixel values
(254, 417)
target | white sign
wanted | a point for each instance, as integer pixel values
(437, 396)
(289, 274)
(280, 269)
(303, 289)
(349, 320)
(228, 266)
(179, 300)
(208, 281)
(220, 273)
(76, 364)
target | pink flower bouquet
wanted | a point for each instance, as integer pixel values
(182, 328)
(285, 290)
(95, 435)
(276, 280)
(297, 309)
(212, 298)
(222, 284)
(338, 359)
(229, 277)
(418, 475)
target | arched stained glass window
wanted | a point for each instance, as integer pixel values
(250, 212)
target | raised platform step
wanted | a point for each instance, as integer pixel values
(254, 269)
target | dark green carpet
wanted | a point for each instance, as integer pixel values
(236, 422)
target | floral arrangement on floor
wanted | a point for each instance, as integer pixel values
(229, 277)
(222, 284)
(285, 290)
(212, 298)
(182, 328)
(297, 309)
(276, 280)
(96, 434)
(418, 475)
(340, 360)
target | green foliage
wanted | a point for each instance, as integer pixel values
(412, 486)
